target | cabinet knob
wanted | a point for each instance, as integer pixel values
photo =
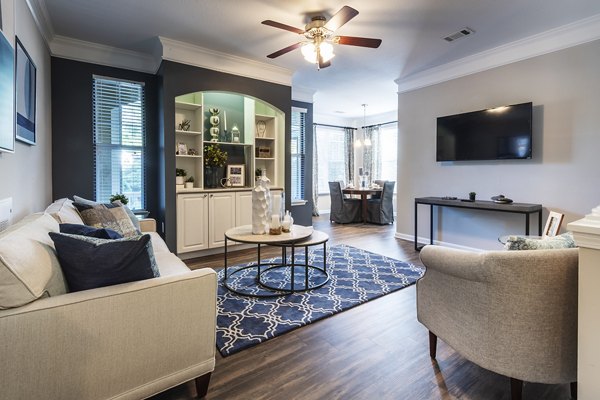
(204, 196)
(211, 195)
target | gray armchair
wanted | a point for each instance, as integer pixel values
(381, 210)
(343, 210)
(511, 312)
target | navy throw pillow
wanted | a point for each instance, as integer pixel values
(85, 230)
(89, 262)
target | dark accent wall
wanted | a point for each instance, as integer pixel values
(72, 128)
(303, 214)
(176, 79)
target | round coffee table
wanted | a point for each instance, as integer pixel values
(272, 276)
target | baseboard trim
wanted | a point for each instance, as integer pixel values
(424, 240)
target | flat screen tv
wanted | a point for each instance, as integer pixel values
(501, 133)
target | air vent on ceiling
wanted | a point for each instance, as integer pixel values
(460, 34)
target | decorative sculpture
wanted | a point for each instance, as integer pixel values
(261, 205)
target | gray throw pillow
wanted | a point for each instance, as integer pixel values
(130, 214)
(563, 241)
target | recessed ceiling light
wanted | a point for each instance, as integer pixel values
(340, 112)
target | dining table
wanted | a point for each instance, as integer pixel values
(363, 192)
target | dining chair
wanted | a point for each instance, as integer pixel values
(381, 210)
(380, 183)
(343, 210)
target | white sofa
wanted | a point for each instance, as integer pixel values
(127, 341)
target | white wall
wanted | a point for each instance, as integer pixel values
(25, 175)
(563, 175)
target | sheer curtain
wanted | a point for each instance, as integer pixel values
(315, 174)
(372, 153)
(348, 155)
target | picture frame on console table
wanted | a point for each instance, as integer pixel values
(236, 175)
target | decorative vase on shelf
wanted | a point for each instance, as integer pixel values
(212, 177)
(261, 206)
(214, 121)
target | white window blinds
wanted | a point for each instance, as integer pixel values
(119, 140)
(298, 147)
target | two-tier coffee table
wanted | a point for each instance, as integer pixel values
(301, 277)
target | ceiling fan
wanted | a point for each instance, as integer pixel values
(317, 47)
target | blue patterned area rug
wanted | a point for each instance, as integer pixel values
(356, 276)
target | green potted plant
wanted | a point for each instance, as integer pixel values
(120, 197)
(214, 161)
(180, 174)
(472, 196)
(189, 183)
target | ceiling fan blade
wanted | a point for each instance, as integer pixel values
(358, 41)
(340, 18)
(285, 50)
(283, 26)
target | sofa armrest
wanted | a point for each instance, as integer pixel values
(137, 338)
(148, 225)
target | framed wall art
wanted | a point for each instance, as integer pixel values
(7, 95)
(25, 85)
(235, 174)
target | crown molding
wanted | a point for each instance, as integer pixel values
(39, 11)
(173, 50)
(580, 32)
(81, 50)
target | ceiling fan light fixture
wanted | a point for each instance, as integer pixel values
(309, 51)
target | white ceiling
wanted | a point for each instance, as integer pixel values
(411, 30)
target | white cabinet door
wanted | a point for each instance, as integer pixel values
(243, 208)
(221, 217)
(192, 217)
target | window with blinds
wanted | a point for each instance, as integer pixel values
(119, 140)
(298, 147)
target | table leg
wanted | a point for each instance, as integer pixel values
(431, 224)
(416, 224)
(325, 256)
(526, 224)
(306, 267)
(364, 206)
(292, 276)
(225, 257)
(540, 223)
(258, 262)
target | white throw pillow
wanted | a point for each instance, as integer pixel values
(27, 260)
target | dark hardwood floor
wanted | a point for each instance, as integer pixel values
(374, 351)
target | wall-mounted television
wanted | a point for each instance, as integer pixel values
(501, 133)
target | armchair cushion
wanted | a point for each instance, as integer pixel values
(89, 262)
(563, 241)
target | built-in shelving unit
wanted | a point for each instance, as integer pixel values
(203, 214)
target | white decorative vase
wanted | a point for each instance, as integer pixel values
(261, 206)
(179, 180)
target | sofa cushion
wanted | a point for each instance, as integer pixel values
(109, 216)
(563, 241)
(89, 262)
(84, 230)
(28, 264)
(64, 212)
(134, 220)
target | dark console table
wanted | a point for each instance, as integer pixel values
(516, 208)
